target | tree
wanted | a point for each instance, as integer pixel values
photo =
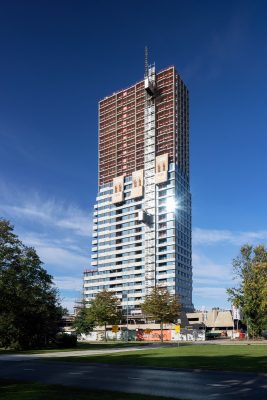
(161, 306)
(30, 311)
(250, 268)
(104, 309)
(83, 322)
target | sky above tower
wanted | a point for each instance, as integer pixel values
(59, 58)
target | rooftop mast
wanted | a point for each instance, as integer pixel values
(146, 61)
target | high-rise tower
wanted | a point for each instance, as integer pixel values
(142, 215)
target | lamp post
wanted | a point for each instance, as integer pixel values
(204, 320)
(125, 296)
(127, 322)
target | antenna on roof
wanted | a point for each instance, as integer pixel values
(146, 61)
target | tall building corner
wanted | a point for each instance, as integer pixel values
(142, 216)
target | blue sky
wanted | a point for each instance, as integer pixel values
(59, 58)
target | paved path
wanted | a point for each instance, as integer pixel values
(74, 353)
(179, 384)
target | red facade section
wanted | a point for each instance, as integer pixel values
(121, 126)
(121, 133)
(165, 115)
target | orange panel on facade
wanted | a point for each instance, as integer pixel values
(153, 336)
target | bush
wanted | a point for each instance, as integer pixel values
(264, 334)
(64, 340)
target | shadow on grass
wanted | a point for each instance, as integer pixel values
(13, 390)
(226, 358)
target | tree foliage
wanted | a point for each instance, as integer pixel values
(250, 268)
(83, 322)
(29, 305)
(104, 309)
(161, 306)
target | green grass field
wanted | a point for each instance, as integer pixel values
(11, 390)
(252, 358)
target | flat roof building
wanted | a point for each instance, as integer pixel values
(142, 215)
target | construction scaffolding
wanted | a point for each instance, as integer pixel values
(149, 173)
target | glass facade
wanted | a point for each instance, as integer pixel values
(118, 251)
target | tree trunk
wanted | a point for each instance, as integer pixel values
(161, 332)
(105, 332)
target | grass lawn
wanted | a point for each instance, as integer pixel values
(11, 390)
(211, 357)
(80, 346)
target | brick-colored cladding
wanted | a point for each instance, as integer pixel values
(121, 127)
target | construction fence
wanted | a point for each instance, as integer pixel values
(145, 335)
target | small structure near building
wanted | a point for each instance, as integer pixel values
(215, 322)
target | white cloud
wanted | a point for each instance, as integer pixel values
(78, 222)
(207, 270)
(58, 253)
(60, 257)
(48, 212)
(210, 280)
(58, 231)
(215, 236)
(68, 283)
(211, 274)
(214, 293)
(68, 302)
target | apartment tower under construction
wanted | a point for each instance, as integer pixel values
(142, 215)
